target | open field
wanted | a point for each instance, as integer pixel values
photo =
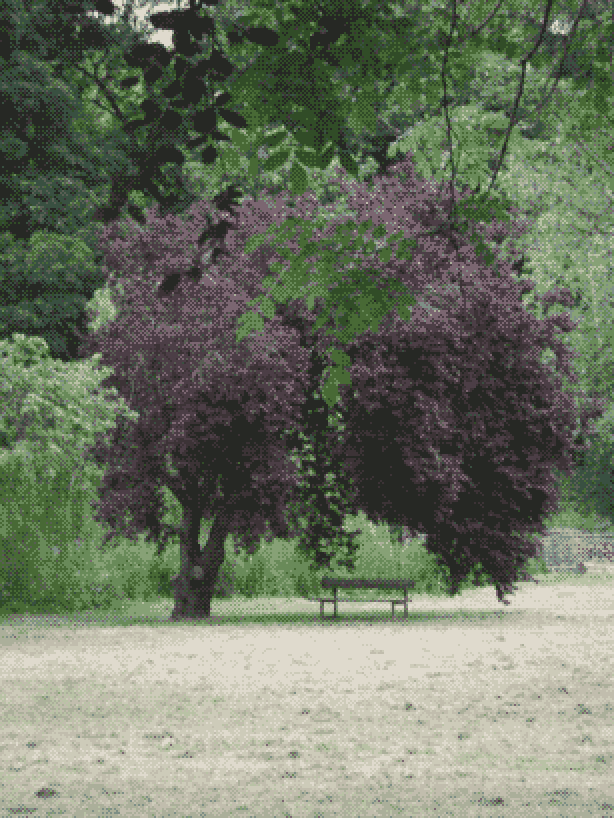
(467, 708)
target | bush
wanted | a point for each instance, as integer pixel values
(100, 594)
(307, 584)
(159, 578)
(225, 583)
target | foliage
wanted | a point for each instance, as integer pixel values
(592, 483)
(571, 246)
(481, 163)
(359, 197)
(38, 106)
(552, 181)
(491, 99)
(264, 60)
(456, 408)
(51, 411)
(44, 291)
(61, 177)
(382, 38)
(233, 411)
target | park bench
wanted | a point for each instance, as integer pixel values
(365, 584)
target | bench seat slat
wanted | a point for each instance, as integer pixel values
(365, 584)
(353, 599)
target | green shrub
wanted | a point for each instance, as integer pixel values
(307, 584)
(159, 578)
(100, 594)
(225, 584)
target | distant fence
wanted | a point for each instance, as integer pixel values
(567, 546)
(572, 546)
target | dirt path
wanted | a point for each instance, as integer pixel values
(466, 709)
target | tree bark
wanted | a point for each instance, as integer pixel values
(195, 583)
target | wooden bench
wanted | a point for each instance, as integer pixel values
(365, 584)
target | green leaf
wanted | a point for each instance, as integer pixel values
(305, 138)
(330, 387)
(261, 35)
(299, 183)
(274, 139)
(339, 374)
(311, 301)
(269, 281)
(284, 252)
(276, 160)
(249, 322)
(404, 252)
(324, 315)
(307, 118)
(339, 357)
(232, 118)
(231, 160)
(282, 291)
(345, 238)
(385, 254)
(380, 231)
(257, 241)
(330, 392)
(404, 312)
(349, 163)
(364, 109)
(13, 147)
(240, 139)
(309, 158)
(328, 156)
(267, 306)
(253, 168)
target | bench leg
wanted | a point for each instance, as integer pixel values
(398, 602)
(334, 601)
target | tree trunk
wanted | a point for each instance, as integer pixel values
(195, 583)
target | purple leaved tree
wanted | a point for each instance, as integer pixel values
(452, 427)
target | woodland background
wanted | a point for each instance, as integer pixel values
(52, 282)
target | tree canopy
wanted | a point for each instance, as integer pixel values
(194, 87)
(452, 427)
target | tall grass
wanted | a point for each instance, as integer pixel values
(50, 557)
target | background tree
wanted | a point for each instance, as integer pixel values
(40, 40)
(44, 291)
(49, 266)
(51, 412)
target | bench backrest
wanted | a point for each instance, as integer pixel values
(379, 584)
